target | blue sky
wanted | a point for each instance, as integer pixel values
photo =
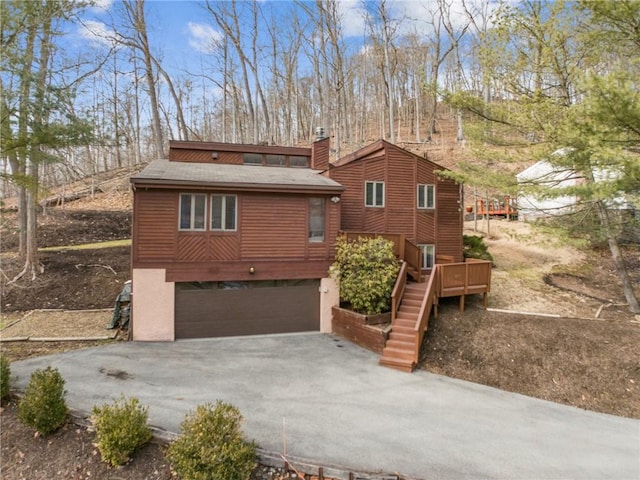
(181, 29)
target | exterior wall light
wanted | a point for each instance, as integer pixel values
(335, 199)
(214, 155)
(252, 269)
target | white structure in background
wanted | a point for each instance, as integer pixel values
(544, 173)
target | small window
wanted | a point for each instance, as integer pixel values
(223, 212)
(374, 194)
(276, 160)
(316, 219)
(192, 211)
(298, 161)
(428, 255)
(252, 158)
(426, 196)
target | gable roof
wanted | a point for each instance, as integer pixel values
(375, 150)
(164, 173)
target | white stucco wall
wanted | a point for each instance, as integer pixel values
(153, 306)
(329, 297)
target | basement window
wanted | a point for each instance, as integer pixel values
(428, 254)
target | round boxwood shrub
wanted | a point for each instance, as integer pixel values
(366, 270)
(5, 376)
(120, 428)
(211, 445)
(43, 406)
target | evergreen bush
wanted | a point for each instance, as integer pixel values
(120, 429)
(366, 269)
(211, 445)
(43, 406)
(474, 247)
(5, 378)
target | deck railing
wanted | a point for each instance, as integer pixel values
(398, 291)
(425, 312)
(413, 256)
(468, 278)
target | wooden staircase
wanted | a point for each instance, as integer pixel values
(399, 352)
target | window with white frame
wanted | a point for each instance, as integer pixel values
(428, 255)
(193, 208)
(426, 196)
(223, 212)
(374, 194)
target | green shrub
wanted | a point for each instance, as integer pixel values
(5, 376)
(43, 406)
(120, 429)
(211, 446)
(366, 269)
(474, 247)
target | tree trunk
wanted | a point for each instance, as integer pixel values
(618, 259)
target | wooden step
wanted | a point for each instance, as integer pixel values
(413, 296)
(411, 302)
(404, 322)
(403, 330)
(397, 344)
(400, 353)
(398, 364)
(402, 336)
(408, 313)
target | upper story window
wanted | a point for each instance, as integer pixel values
(316, 219)
(192, 211)
(428, 255)
(223, 212)
(298, 161)
(426, 196)
(252, 158)
(374, 194)
(276, 160)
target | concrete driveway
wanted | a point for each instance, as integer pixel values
(336, 406)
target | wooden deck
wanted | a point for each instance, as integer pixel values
(412, 304)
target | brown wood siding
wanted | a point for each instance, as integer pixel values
(247, 311)
(401, 172)
(426, 227)
(375, 170)
(204, 156)
(352, 200)
(239, 270)
(426, 173)
(155, 226)
(192, 247)
(224, 247)
(401, 194)
(375, 220)
(273, 226)
(449, 220)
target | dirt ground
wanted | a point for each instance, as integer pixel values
(588, 355)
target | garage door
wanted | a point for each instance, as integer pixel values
(222, 309)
